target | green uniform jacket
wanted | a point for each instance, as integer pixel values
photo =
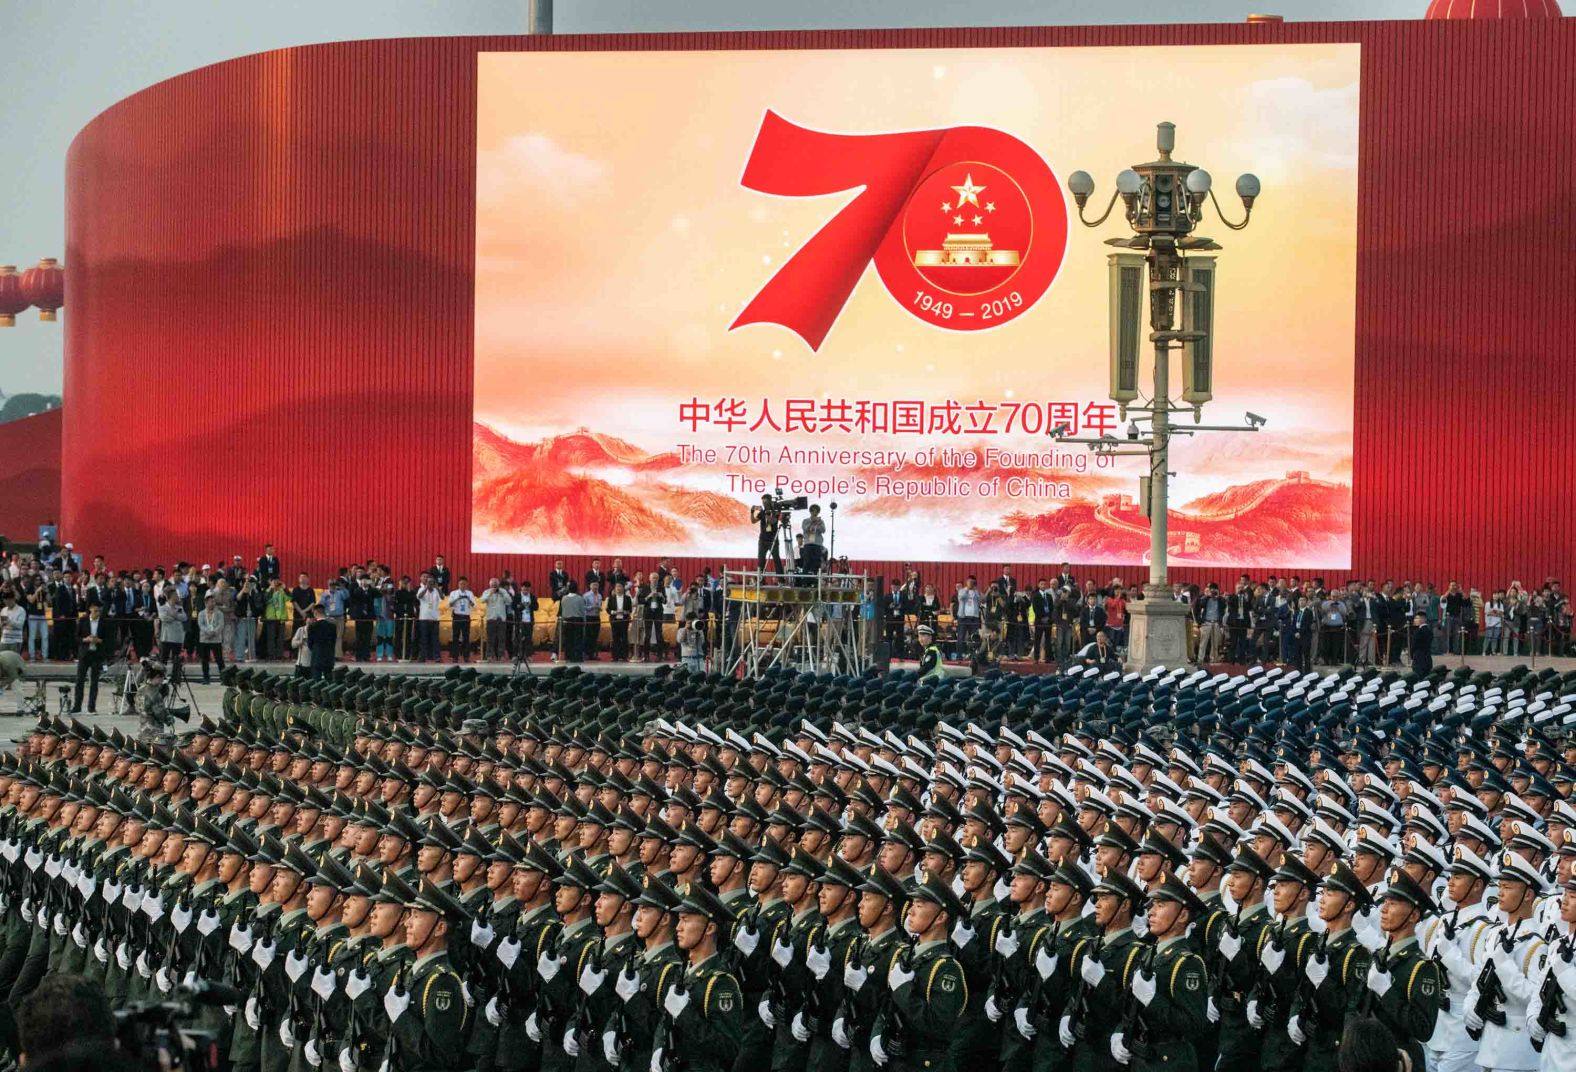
(708, 1033)
(1048, 999)
(922, 1015)
(1411, 1005)
(977, 1041)
(842, 941)
(1240, 1042)
(790, 986)
(635, 1025)
(430, 1036)
(1162, 1034)
(1103, 1005)
(1321, 1010)
(1275, 991)
(1017, 979)
(863, 1008)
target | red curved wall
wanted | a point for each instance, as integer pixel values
(271, 297)
(29, 475)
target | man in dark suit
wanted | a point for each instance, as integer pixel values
(1065, 578)
(1421, 643)
(595, 577)
(1009, 583)
(619, 609)
(557, 581)
(1043, 605)
(322, 640)
(440, 574)
(95, 643)
(267, 566)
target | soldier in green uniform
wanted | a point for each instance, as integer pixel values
(1235, 965)
(790, 977)
(1038, 1015)
(642, 984)
(1014, 967)
(828, 952)
(751, 938)
(560, 963)
(882, 903)
(1282, 948)
(976, 1041)
(1166, 1004)
(1403, 983)
(613, 955)
(1206, 868)
(519, 947)
(926, 985)
(307, 967)
(427, 1008)
(703, 1017)
(1101, 969)
(1334, 972)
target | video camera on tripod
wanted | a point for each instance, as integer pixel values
(161, 1034)
(781, 505)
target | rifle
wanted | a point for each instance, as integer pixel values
(1263, 990)
(1381, 960)
(1219, 966)
(1079, 1005)
(1134, 1029)
(1306, 995)
(1491, 996)
(1551, 1007)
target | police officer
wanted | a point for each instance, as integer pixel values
(930, 665)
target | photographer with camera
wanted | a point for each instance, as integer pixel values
(172, 629)
(64, 1011)
(157, 716)
(769, 516)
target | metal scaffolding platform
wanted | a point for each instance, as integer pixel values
(816, 623)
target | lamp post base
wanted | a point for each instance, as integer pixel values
(1156, 631)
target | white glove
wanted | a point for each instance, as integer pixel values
(547, 966)
(490, 1010)
(1230, 945)
(962, 934)
(295, 966)
(1119, 1048)
(1254, 1019)
(323, 982)
(782, 953)
(395, 1002)
(1272, 957)
(481, 934)
(1007, 943)
(101, 951)
(1317, 969)
(1473, 1021)
(992, 1010)
(797, 1029)
(313, 1056)
(533, 1030)
(180, 918)
(854, 976)
(656, 1059)
(356, 984)
(286, 1033)
(52, 866)
(153, 907)
(1369, 936)
(840, 1032)
(508, 952)
(1091, 970)
(1044, 963)
(32, 858)
(131, 900)
(878, 1054)
(571, 1043)
(123, 957)
(43, 918)
(1020, 1020)
(610, 1047)
(347, 1059)
(899, 975)
(819, 961)
(27, 911)
(207, 923)
(254, 1019)
(590, 979)
(1294, 1029)
(79, 936)
(162, 980)
(746, 940)
(1212, 1011)
(144, 968)
(263, 954)
(1379, 980)
(1144, 988)
(627, 985)
(764, 1011)
(1064, 1032)
(676, 1001)
(60, 925)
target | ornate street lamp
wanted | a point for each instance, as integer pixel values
(1164, 202)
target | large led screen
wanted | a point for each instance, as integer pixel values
(858, 276)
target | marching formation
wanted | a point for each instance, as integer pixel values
(1086, 871)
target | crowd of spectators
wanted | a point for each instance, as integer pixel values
(247, 611)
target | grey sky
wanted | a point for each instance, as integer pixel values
(68, 60)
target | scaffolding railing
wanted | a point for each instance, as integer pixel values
(821, 623)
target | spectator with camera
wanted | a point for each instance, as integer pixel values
(210, 635)
(461, 602)
(249, 606)
(429, 602)
(172, 629)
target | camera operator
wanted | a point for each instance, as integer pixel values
(157, 715)
(769, 517)
(172, 629)
(62, 1011)
(814, 531)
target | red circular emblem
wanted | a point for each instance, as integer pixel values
(981, 236)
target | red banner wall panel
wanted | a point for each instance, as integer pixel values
(29, 475)
(270, 332)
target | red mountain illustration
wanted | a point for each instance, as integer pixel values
(495, 454)
(1291, 520)
(542, 505)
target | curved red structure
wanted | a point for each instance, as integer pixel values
(271, 288)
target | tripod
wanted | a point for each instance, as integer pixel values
(519, 652)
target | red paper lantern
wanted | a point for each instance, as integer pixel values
(12, 300)
(45, 287)
(1493, 9)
